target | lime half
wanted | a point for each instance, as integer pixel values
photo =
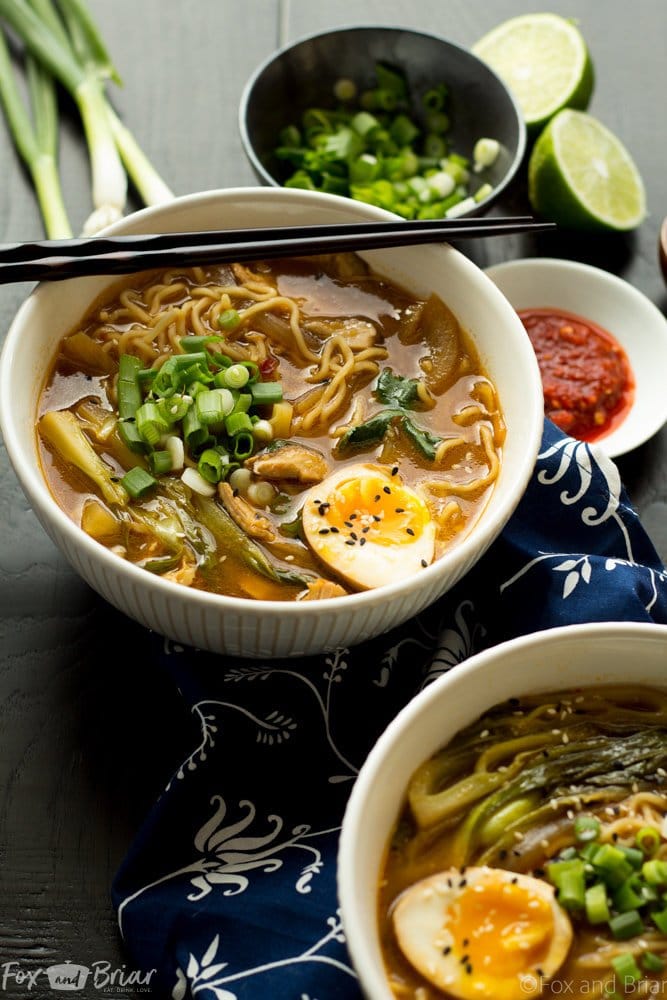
(544, 61)
(582, 177)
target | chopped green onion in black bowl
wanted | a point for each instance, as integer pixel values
(403, 120)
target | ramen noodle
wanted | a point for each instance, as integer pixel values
(531, 856)
(293, 430)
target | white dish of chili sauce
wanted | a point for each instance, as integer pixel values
(601, 346)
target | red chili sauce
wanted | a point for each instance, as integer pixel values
(587, 380)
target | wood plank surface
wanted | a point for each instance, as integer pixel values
(89, 730)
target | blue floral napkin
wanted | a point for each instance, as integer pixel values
(229, 891)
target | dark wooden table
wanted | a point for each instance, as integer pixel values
(90, 731)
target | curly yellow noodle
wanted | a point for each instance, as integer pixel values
(444, 487)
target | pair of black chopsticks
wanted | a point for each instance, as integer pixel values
(53, 260)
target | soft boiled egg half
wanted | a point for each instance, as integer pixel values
(368, 527)
(483, 932)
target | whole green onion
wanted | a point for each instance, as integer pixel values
(37, 146)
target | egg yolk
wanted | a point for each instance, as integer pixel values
(502, 927)
(384, 512)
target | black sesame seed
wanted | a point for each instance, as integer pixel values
(386, 489)
(465, 942)
(376, 517)
(349, 541)
(377, 497)
(400, 510)
(409, 531)
(515, 881)
(464, 959)
(354, 535)
(334, 531)
(348, 524)
(463, 883)
(362, 541)
(424, 563)
(446, 950)
(323, 531)
(365, 530)
(394, 471)
(469, 968)
(353, 517)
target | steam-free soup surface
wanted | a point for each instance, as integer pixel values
(309, 429)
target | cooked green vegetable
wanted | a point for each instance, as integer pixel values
(387, 147)
(397, 390)
(403, 393)
(64, 433)
(231, 538)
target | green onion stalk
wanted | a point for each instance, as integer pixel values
(36, 145)
(72, 51)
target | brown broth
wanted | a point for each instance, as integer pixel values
(613, 711)
(324, 296)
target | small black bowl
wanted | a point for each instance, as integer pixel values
(302, 75)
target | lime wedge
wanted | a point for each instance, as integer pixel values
(544, 61)
(582, 177)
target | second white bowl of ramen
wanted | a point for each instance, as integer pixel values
(580, 658)
(276, 628)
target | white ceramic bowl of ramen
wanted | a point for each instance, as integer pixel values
(580, 657)
(243, 626)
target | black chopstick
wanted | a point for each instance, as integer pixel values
(53, 260)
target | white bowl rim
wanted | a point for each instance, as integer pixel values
(35, 487)
(522, 140)
(638, 426)
(463, 674)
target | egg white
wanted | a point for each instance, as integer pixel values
(483, 932)
(369, 528)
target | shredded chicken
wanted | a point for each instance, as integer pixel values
(360, 334)
(248, 518)
(185, 574)
(319, 590)
(292, 462)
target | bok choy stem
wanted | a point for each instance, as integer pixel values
(37, 146)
